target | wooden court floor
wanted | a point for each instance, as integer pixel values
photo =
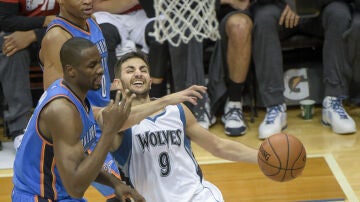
(332, 170)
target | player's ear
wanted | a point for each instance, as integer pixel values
(116, 85)
(69, 70)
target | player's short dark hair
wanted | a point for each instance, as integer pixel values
(129, 55)
(70, 52)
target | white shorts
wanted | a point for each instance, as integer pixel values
(131, 27)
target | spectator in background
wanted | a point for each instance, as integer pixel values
(232, 54)
(123, 24)
(22, 26)
(186, 67)
(352, 41)
(275, 20)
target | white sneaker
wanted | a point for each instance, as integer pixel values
(274, 121)
(233, 119)
(335, 116)
(203, 114)
(17, 141)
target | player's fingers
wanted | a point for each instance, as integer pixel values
(117, 97)
(11, 52)
(297, 19)
(201, 89)
(192, 100)
(292, 20)
(283, 15)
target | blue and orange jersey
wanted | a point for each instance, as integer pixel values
(35, 170)
(101, 97)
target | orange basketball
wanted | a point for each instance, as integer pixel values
(282, 157)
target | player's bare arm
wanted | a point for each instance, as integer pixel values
(139, 112)
(114, 6)
(50, 54)
(223, 148)
(60, 121)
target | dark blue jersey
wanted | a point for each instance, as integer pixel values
(35, 170)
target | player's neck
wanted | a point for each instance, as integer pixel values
(140, 100)
(78, 22)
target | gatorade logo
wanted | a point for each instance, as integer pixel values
(296, 84)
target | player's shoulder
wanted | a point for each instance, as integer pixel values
(60, 106)
(54, 36)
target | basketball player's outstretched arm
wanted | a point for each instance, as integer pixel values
(60, 122)
(50, 55)
(140, 112)
(220, 147)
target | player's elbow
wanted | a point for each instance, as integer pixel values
(76, 191)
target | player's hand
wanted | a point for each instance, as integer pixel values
(289, 18)
(17, 41)
(115, 114)
(127, 194)
(191, 94)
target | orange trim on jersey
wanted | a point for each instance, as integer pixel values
(115, 174)
(72, 25)
(110, 196)
(54, 180)
(42, 192)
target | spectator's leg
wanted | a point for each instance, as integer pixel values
(159, 63)
(112, 38)
(336, 19)
(238, 30)
(188, 69)
(352, 40)
(268, 61)
(267, 54)
(14, 71)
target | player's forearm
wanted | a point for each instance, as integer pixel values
(90, 167)
(107, 179)
(235, 151)
(140, 112)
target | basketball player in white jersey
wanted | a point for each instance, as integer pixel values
(156, 153)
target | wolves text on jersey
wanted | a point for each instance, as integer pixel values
(159, 138)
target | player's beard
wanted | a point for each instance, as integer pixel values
(141, 94)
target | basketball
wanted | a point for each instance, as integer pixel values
(282, 157)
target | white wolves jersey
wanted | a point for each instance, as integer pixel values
(156, 155)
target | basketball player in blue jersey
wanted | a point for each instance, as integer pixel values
(52, 162)
(74, 20)
(156, 154)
